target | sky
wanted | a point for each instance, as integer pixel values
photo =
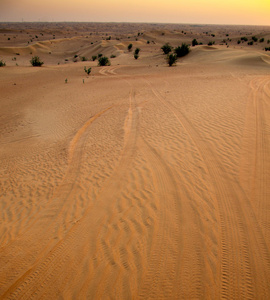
(243, 12)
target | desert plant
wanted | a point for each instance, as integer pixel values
(254, 39)
(250, 43)
(83, 58)
(136, 56)
(87, 71)
(36, 62)
(94, 57)
(211, 43)
(182, 50)
(268, 41)
(238, 42)
(100, 55)
(66, 80)
(267, 48)
(148, 42)
(261, 40)
(243, 38)
(104, 61)
(171, 59)
(194, 42)
(129, 47)
(166, 48)
(137, 50)
(2, 63)
(112, 56)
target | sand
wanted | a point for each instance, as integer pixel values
(139, 181)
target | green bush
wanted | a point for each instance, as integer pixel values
(182, 50)
(35, 62)
(211, 43)
(2, 64)
(194, 43)
(261, 40)
(250, 43)
(129, 47)
(112, 56)
(100, 55)
(254, 39)
(136, 56)
(87, 71)
(137, 50)
(171, 59)
(267, 49)
(104, 61)
(83, 58)
(243, 38)
(94, 57)
(167, 48)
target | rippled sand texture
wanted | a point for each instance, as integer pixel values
(143, 182)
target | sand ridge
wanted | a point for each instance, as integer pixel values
(138, 181)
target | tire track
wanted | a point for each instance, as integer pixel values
(237, 265)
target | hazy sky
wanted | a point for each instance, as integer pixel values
(249, 12)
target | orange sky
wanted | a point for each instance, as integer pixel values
(247, 12)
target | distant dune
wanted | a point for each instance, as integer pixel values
(139, 181)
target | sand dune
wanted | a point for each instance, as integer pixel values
(138, 181)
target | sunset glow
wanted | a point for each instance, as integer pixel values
(249, 12)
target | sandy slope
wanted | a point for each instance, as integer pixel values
(143, 182)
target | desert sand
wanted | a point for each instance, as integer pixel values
(139, 181)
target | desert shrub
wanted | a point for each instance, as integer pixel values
(75, 56)
(94, 57)
(182, 50)
(112, 56)
(104, 61)
(87, 71)
(148, 42)
(100, 55)
(167, 48)
(2, 63)
(267, 48)
(238, 42)
(243, 38)
(194, 42)
(36, 62)
(268, 42)
(254, 39)
(171, 59)
(261, 40)
(129, 47)
(212, 35)
(250, 43)
(83, 58)
(137, 50)
(136, 56)
(211, 43)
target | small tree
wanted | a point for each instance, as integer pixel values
(104, 61)
(35, 62)
(195, 43)
(2, 63)
(87, 71)
(171, 59)
(182, 50)
(129, 47)
(137, 50)
(94, 57)
(136, 53)
(167, 48)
